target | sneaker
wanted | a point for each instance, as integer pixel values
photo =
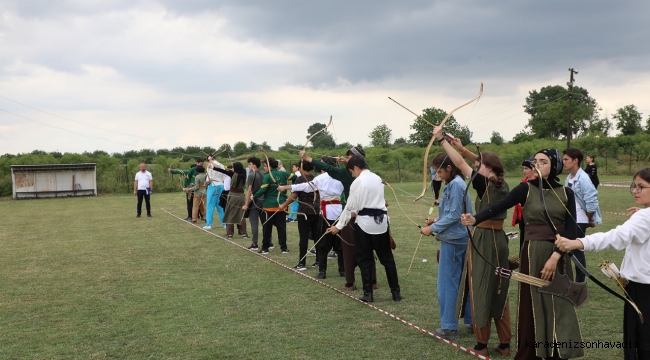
(448, 334)
(253, 247)
(207, 228)
(263, 251)
(271, 247)
(229, 236)
(300, 267)
(469, 327)
(321, 275)
(333, 255)
(149, 215)
(290, 220)
(245, 236)
(315, 264)
(312, 252)
(285, 251)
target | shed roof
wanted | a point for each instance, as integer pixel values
(53, 167)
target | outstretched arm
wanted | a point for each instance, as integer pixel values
(455, 157)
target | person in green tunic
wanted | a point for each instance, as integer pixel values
(488, 294)
(545, 323)
(198, 189)
(188, 179)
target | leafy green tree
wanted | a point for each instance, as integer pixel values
(240, 148)
(400, 141)
(522, 136)
(424, 131)
(628, 120)
(380, 136)
(598, 126)
(549, 110)
(289, 147)
(323, 140)
(496, 138)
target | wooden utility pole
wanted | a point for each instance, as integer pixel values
(568, 122)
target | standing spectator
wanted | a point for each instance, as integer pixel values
(592, 171)
(587, 211)
(142, 188)
(436, 184)
(198, 188)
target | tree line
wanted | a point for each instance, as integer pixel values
(399, 160)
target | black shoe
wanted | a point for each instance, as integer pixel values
(189, 218)
(245, 236)
(367, 297)
(315, 264)
(253, 247)
(342, 273)
(271, 247)
(397, 296)
(285, 251)
(312, 252)
(300, 267)
(321, 275)
(229, 236)
(263, 251)
(137, 216)
(148, 215)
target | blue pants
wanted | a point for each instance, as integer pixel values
(294, 208)
(450, 269)
(214, 193)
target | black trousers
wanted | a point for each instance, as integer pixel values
(280, 222)
(143, 194)
(435, 186)
(326, 244)
(380, 243)
(635, 334)
(189, 198)
(309, 228)
(580, 255)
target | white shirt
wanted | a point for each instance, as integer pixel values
(581, 215)
(328, 188)
(143, 179)
(216, 178)
(367, 191)
(226, 183)
(634, 237)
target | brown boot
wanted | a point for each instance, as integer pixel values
(348, 288)
(504, 352)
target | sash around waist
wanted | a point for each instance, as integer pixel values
(491, 224)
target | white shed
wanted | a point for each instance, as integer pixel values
(54, 180)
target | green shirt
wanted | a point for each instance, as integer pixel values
(199, 185)
(188, 175)
(269, 188)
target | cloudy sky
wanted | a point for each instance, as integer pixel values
(85, 75)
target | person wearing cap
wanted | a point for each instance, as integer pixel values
(587, 210)
(348, 232)
(542, 318)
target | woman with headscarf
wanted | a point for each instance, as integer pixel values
(234, 214)
(544, 321)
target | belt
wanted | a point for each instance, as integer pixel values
(324, 203)
(491, 224)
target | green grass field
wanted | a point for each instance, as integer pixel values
(83, 278)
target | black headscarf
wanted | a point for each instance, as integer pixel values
(556, 165)
(528, 162)
(238, 168)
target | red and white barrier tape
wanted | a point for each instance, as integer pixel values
(614, 185)
(469, 351)
(614, 213)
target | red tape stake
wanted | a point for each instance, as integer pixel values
(393, 316)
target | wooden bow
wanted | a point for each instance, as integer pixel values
(426, 152)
